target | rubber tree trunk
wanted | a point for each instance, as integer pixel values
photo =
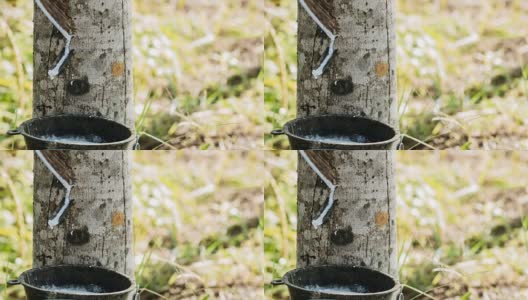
(101, 58)
(97, 228)
(360, 228)
(360, 79)
(95, 80)
(365, 57)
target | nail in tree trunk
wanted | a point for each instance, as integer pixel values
(95, 79)
(359, 79)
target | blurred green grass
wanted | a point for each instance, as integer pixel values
(461, 72)
(198, 232)
(462, 223)
(197, 68)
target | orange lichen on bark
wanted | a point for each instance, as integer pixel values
(118, 219)
(118, 69)
(382, 69)
(382, 218)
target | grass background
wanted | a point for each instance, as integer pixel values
(197, 72)
(462, 223)
(198, 231)
(461, 72)
(199, 234)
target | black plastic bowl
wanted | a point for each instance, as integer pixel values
(360, 283)
(371, 134)
(93, 133)
(98, 283)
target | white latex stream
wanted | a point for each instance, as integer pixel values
(56, 70)
(55, 221)
(331, 49)
(319, 220)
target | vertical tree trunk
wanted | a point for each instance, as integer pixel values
(360, 228)
(365, 56)
(97, 228)
(101, 57)
(95, 80)
(360, 79)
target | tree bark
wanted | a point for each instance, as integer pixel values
(360, 228)
(365, 56)
(101, 56)
(97, 228)
(360, 79)
(95, 80)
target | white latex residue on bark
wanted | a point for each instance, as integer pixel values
(331, 49)
(319, 220)
(55, 221)
(56, 70)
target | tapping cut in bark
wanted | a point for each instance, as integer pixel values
(61, 178)
(318, 163)
(58, 14)
(320, 13)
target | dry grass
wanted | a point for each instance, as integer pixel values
(197, 72)
(462, 222)
(461, 72)
(197, 223)
(209, 53)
